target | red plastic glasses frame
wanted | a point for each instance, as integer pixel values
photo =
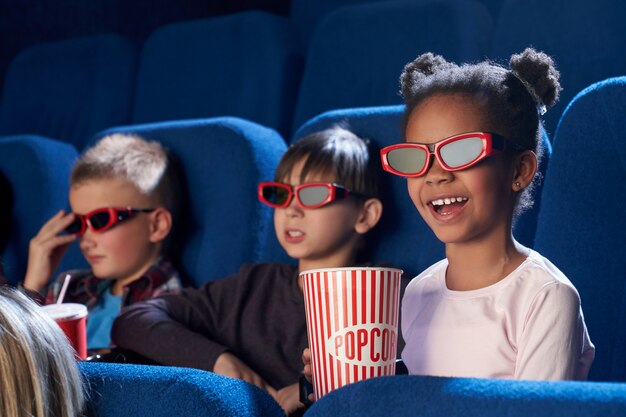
(115, 215)
(491, 143)
(335, 192)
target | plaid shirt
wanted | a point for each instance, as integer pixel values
(85, 288)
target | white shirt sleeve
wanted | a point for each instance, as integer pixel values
(554, 344)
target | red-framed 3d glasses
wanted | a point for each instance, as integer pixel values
(308, 196)
(453, 154)
(102, 219)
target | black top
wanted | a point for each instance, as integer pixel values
(257, 315)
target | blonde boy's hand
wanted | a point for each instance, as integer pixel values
(289, 398)
(46, 250)
(228, 364)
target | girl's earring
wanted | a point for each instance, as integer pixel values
(517, 185)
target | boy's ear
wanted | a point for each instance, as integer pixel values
(525, 169)
(160, 224)
(371, 211)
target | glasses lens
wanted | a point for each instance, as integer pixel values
(75, 227)
(313, 195)
(99, 220)
(275, 195)
(461, 152)
(407, 160)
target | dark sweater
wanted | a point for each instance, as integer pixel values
(257, 315)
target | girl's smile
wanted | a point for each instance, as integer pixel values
(446, 208)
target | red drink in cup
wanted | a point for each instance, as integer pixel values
(72, 318)
(352, 324)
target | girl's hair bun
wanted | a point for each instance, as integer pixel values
(538, 72)
(423, 66)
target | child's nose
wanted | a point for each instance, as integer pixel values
(436, 174)
(86, 241)
(293, 209)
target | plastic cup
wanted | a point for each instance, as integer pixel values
(352, 324)
(72, 318)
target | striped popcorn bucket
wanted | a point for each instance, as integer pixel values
(352, 324)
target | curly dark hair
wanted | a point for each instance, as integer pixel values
(512, 99)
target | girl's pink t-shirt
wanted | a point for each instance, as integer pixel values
(529, 325)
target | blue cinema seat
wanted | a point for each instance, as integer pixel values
(586, 38)
(357, 53)
(122, 390)
(307, 14)
(403, 237)
(222, 160)
(69, 90)
(424, 396)
(581, 224)
(246, 65)
(34, 178)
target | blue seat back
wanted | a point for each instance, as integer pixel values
(403, 238)
(581, 223)
(34, 173)
(358, 52)
(586, 40)
(222, 160)
(246, 65)
(307, 14)
(404, 396)
(144, 390)
(69, 90)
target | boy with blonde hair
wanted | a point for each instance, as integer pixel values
(123, 205)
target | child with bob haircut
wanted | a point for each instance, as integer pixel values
(492, 308)
(252, 325)
(123, 206)
(37, 365)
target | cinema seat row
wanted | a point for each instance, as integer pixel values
(263, 68)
